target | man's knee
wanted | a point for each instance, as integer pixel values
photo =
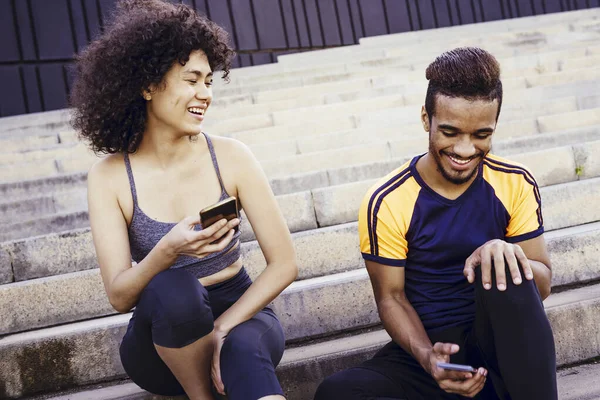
(179, 308)
(515, 297)
(338, 386)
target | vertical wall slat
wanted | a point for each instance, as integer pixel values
(9, 45)
(345, 21)
(398, 16)
(289, 23)
(374, 17)
(10, 82)
(329, 22)
(52, 29)
(314, 24)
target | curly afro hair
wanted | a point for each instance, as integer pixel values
(139, 46)
(468, 72)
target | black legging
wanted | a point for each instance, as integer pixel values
(511, 337)
(175, 310)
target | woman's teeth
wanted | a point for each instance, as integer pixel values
(195, 110)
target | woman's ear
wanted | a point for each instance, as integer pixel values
(147, 93)
(425, 119)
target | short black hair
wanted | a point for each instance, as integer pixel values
(143, 41)
(468, 72)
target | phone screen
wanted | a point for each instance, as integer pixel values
(226, 208)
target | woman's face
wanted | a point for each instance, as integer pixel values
(180, 103)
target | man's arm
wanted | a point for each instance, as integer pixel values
(403, 324)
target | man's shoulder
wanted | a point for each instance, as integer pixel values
(395, 181)
(505, 174)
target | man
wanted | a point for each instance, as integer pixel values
(453, 243)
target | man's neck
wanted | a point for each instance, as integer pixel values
(432, 176)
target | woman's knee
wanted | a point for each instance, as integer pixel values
(178, 307)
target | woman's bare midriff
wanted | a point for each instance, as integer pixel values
(224, 274)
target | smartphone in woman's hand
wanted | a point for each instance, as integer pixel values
(226, 208)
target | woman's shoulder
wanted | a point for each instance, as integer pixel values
(229, 148)
(106, 169)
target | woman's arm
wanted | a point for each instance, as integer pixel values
(272, 234)
(124, 284)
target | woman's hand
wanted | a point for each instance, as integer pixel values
(182, 239)
(215, 370)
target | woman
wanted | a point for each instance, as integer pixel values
(142, 93)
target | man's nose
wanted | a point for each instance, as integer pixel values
(464, 147)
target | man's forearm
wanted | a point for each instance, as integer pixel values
(542, 275)
(406, 329)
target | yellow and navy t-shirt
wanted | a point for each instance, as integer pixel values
(404, 223)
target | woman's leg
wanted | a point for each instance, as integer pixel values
(168, 346)
(249, 356)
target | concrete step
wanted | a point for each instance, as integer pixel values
(387, 150)
(574, 383)
(317, 73)
(80, 295)
(410, 73)
(65, 209)
(87, 352)
(512, 64)
(524, 38)
(72, 251)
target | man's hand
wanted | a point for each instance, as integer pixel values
(499, 253)
(463, 383)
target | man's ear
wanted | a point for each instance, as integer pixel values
(425, 119)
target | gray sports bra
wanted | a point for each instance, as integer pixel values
(144, 232)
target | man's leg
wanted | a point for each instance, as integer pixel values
(515, 337)
(392, 374)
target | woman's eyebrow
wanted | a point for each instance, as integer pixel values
(197, 72)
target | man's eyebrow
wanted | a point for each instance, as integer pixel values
(451, 128)
(447, 127)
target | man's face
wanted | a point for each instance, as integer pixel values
(460, 135)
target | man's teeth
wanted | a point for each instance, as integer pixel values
(195, 110)
(459, 161)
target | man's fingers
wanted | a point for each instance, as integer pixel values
(486, 268)
(524, 261)
(469, 270)
(513, 267)
(445, 348)
(499, 268)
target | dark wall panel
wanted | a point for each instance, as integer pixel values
(373, 16)
(244, 25)
(53, 29)
(40, 37)
(53, 86)
(301, 23)
(26, 33)
(92, 12)
(314, 22)
(269, 24)
(345, 20)
(398, 16)
(357, 21)
(329, 22)
(466, 11)
(10, 82)
(425, 10)
(443, 14)
(78, 18)
(31, 92)
(9, 46)
(289, 23)
(493, 10)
